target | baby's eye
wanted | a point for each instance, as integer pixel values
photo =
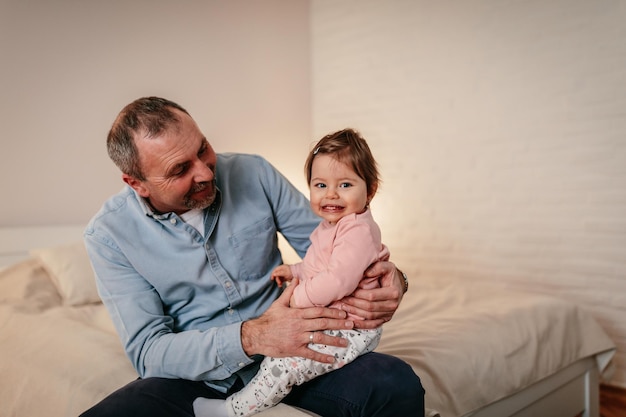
(320, 185)
(345, 185)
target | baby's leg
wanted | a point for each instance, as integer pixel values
(270, 385)
(277, 376)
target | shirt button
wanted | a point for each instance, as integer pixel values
(231, 311)
(173, 221)
(241, 364)
(228, 284)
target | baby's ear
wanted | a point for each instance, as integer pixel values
(371, 193)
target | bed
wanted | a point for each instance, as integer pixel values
(480, 351)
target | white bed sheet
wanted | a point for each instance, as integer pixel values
(470, 346)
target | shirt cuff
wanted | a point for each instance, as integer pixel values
(229, 348)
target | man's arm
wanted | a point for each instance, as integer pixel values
(283, 331)
(148, 333)
(377, 305)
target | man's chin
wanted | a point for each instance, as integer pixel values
(193, 204)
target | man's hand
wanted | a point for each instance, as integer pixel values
(377, 305)
(283, 331)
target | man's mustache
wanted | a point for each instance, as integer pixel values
(201, 186)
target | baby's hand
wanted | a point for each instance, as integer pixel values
(281, 274)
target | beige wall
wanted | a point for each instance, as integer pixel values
(501, 132)
(241, 68)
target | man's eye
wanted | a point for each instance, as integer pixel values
(180, 170)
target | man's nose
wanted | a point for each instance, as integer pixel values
(202, 173)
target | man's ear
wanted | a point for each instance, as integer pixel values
(136, 185)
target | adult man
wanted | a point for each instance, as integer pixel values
(183, 257)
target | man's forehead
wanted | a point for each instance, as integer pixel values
(169, 150)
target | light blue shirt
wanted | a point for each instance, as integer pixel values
(178, 299)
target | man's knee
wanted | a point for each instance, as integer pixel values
(387, 386)
(373, 385)
(392, 377)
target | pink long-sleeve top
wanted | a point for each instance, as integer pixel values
(334, 264)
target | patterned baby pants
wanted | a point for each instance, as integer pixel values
(277, 376)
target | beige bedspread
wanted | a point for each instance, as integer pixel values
(471, 346)
(474, 345)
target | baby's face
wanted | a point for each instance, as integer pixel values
(335, 189)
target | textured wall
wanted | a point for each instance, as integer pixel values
(500, 129)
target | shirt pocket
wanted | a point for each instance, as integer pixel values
(255, 247)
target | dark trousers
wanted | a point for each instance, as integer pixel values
(373, 385)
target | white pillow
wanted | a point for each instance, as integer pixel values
(71, 272)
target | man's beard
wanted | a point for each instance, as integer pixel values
(193, 204)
